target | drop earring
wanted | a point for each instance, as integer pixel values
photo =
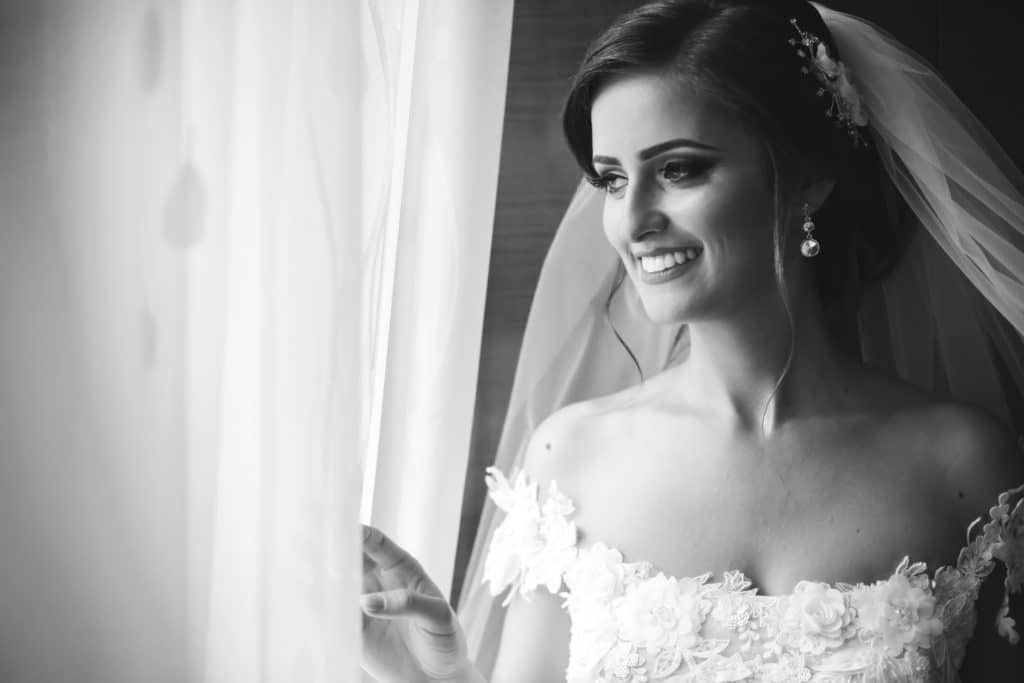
(810, 246)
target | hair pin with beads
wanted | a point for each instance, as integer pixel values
(834, 79)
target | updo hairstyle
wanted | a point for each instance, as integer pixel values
(738, 53)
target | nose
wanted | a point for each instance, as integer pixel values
(645, 216)
(650, 221)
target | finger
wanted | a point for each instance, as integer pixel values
(431, 612)
(386, 555)
(389, 556)
(368, 564)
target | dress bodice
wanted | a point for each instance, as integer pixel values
(631, 622)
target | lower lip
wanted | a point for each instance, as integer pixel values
(678, 270)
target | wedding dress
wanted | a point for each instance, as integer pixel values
(633, 623)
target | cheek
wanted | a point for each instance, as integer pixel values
(615, 229)
(737, 228)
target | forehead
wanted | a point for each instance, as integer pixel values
(638, 111)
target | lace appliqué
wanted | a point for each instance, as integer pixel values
(535, 543)
(956, 587)
(632, 624)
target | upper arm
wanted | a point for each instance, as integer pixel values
(983, 459)
(990, 657)
(534, 640)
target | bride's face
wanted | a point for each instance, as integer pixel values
(689, 199)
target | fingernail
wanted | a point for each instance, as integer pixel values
(373, 603)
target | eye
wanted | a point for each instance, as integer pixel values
(676, 172)
(612, 183)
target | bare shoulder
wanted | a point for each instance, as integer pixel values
(552, 451)
(959, 457)
(980, 457)
(971, 448)
(973, 455)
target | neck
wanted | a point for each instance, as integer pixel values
(735, 363)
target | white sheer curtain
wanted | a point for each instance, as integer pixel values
(180, 297)
(243, 255)
(446, 63)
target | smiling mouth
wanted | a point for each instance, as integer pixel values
(668, 259)
(668, 265)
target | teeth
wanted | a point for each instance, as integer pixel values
(656, 264)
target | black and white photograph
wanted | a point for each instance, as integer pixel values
(511, 341)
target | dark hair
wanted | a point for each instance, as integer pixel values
(738, 52)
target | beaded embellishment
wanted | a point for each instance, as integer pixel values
(834, 79)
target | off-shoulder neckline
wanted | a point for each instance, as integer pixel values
(1000, 511)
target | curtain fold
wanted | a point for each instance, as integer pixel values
(447, 67)
(243, 262)
(181, 196)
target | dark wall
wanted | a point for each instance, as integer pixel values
(977, 54)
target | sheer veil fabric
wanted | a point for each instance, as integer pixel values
(949, 318)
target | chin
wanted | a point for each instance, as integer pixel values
(668, 312)
(675, 302)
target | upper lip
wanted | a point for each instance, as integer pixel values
(654, 251)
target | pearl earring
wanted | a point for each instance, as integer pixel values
(810, 246)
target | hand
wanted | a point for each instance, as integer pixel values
(410, 632)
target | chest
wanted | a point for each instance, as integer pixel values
(823, 505)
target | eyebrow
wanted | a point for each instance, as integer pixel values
(657, 149)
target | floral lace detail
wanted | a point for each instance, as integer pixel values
(956, 587)
(535, 543)
(632, 624)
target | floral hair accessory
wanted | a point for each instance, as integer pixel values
(834, 78)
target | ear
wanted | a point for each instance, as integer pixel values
(816, 193)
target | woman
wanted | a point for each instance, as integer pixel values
(739, 154)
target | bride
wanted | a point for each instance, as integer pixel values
(767, 507)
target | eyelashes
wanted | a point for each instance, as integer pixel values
(673, 172)
(606, 182)
(676, 171)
